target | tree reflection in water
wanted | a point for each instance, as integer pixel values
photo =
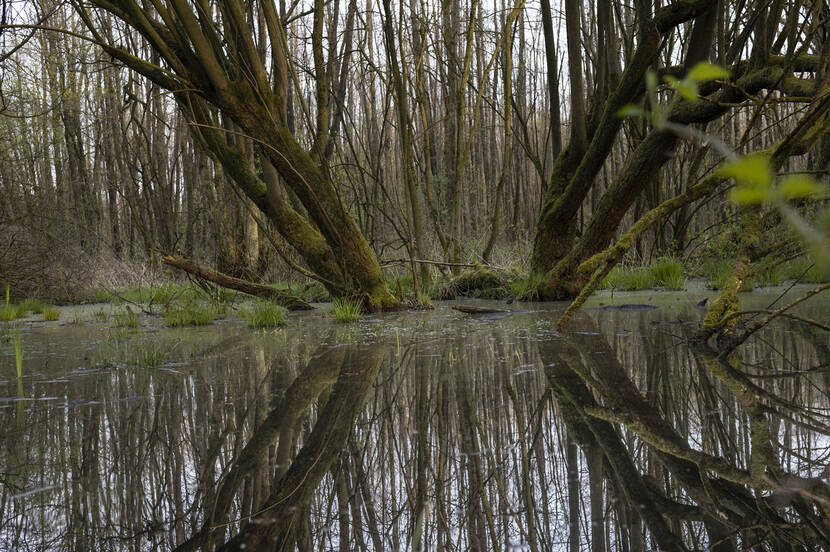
(447, 433)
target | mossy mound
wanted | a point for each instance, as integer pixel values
(478, 282)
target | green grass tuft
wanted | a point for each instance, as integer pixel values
(9, 312)
(804, 271)
(127, 318)
(668, 272)
(264, 314)
(50, 313)
(346, 310)
(31, 305)
(424, 300)
(190, 314)
(629, 278)
(101, 315)
(17, 343)
(150, 354)
(717, 271)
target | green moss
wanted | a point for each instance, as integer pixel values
(264, 314)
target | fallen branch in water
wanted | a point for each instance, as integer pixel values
(291, 302)
(469, 309)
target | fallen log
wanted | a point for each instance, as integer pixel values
(469, 309)
(291, 302)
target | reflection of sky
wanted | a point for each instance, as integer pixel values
(128, 445)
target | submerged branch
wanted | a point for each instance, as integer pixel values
(283, 298)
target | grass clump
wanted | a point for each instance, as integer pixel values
(50, 313)
(628, 278)
(9, 312)
(31, 305)
(127, 318)
(190, 314)
(264, 314)
(346, 310)
(804, 270)
(717, 271)
(665, 272)
(424, 300)
(668, 272)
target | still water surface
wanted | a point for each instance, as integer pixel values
(419, 431)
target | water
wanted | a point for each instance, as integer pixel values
(419, 430)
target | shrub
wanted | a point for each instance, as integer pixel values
(347, 310)
(263, 314)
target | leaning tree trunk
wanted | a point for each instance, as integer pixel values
(198, 68)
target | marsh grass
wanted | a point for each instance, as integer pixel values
(628, 278)
(192, 313)
(9, 312)
(717, 271)
(119, 334)
(50, 313)
(17, 345)
(150, 354)
(804, 270)
(424, 300)
(524, 288)
(665, 272)
(126, 318)
(31, 305)
(346, 310)
(668, 273)
(101, 315)
(264, 314)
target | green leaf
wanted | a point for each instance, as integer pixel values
(797, 186)
(705, 72)
(630, 110)
(749, 195)
(752, 170)
(686, 87)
